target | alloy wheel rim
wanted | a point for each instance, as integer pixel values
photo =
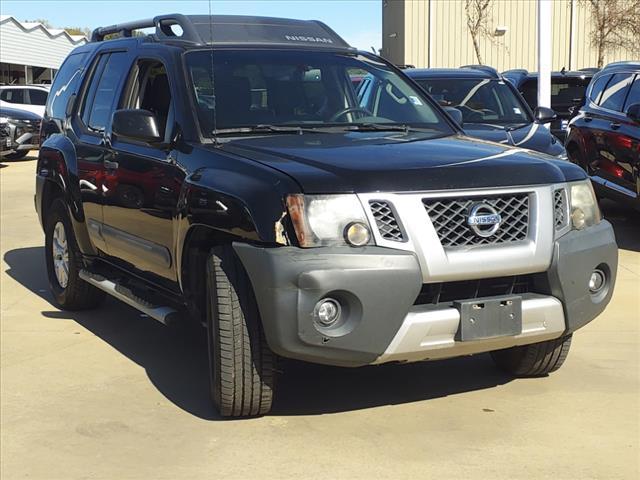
(60, 255)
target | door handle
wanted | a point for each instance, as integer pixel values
(109, 165)
(587, 119)
(615, 125)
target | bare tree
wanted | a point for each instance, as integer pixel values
(616, 23)
(478, 16)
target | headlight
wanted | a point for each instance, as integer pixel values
(584, 206)
(329, 220)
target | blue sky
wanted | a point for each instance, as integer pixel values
(358, 21)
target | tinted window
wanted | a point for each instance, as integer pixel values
(529, 90)
(13, 95)
(64, 85)
(313, 89)
(567, 92)
(481, 100)
(634, 93)
(597, 86)
(37, 97)
(106, 81)
(614, 94)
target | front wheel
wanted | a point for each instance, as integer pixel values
(533, 360)
(241, 365)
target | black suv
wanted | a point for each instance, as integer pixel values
(567, 93)
(604, 138)
(490, 107)
(239, 181)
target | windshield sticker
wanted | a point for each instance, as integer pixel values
(516, 110)
(415, 100)
(301, 38)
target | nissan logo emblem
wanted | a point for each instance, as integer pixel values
(483, 219)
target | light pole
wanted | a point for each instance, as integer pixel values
(544, 53)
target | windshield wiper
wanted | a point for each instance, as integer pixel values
(383, 127)
(264, 128)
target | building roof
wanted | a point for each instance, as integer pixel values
(51, 32)
(33, 44)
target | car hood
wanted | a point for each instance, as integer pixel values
(18, 113)
(532, 136)
(369, 162)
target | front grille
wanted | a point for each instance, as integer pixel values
(447, 292)
(560, 216)
(386, 222)
(449, 217)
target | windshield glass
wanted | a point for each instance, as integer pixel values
(480, 100)
(304, 89)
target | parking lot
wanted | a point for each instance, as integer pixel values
(112, 394)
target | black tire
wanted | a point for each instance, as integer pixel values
(537, 359)
(76, 294)
(241, 365)
(17, 155)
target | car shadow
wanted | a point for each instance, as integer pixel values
(175, 360)
(626, 224)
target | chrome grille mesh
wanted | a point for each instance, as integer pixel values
(449, 217)
(560, 216)
(386, 221)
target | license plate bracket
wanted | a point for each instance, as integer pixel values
(489, 317)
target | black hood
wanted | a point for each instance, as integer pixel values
(369, 162)
(532, 136)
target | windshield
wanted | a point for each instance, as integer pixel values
(480, 100)
(304, 89)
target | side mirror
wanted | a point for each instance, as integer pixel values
(455, 114)
(140, 125)
(544, 115)
(633, 112)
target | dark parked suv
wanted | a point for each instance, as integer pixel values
(491, 108)
(567, 93)
(239, 181)
(604, 138)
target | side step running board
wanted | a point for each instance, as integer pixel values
(163, 314)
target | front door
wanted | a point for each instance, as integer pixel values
(142, 191)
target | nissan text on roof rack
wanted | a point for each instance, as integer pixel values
(230, 172)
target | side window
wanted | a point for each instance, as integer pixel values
(102, 90)
(64, 85)
(529, 90)
(634, 93)
(597, 87)
(148, 89)
(37, 97)
(13, 95)
(613, 96)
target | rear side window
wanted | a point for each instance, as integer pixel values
(37, 97)
(13, 95)
(614, 94)
(634, 93)
(597, 87)
(64, 85)
(529, 90)
(99, 100)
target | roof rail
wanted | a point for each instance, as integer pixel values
(626, 63)
(162, 24)
(523, 71)
(589, 70)
(483, 68)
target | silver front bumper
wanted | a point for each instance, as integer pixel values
(428, 334)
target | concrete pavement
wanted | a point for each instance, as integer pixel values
(110, 394)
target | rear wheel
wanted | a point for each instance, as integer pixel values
(533, 360)
(241, 364)
(64, 263)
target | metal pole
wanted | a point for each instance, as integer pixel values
(572, 34)
(544, 53)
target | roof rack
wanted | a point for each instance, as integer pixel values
(626, 63)
(483, 68)
(232, 30)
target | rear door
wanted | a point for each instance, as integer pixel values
(625, 143)
(92, 150)
(613, 159)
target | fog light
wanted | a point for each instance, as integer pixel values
(578, 218)
(327, 312)
(597, 281)
(357, 234)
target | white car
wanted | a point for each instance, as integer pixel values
(26, 97)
